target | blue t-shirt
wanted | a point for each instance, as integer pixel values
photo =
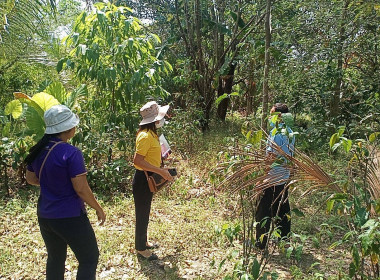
(58, 198)
(280, 173)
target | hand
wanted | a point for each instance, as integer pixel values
(166, 175)
(101, 216)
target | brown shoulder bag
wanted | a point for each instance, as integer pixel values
(155, 182)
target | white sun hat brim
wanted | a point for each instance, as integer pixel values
(59, 118)
(162, 110)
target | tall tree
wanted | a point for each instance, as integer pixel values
(268, 38)
(214, 62)
(341, 37)
(206, 38)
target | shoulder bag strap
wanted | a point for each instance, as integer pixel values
(43, 163)
(147, 176)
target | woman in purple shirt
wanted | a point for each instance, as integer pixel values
(58, 168)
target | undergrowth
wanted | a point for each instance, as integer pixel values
(187, 219)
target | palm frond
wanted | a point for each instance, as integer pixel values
(250, 170)
(373, 175)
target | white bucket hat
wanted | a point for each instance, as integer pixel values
(152, 112)
(59, 118)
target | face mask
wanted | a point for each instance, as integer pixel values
(161, 123)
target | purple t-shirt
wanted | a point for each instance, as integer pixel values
(58, 198)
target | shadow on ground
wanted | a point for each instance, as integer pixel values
(164, 268)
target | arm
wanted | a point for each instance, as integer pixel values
(31, 178)
(83, 190)
(141, 162)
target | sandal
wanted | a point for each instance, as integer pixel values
(152, 257)
(153, 246)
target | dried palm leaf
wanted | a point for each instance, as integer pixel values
(373, 175)
(253, 171)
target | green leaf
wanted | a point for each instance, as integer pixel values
(258, 135)
(341, 130)
(71, 98)
(289, 252)
(239, 20)
(248, 135)
(288, 119)
(221, 264)
(34, 122)
(255, 270)
(245, 276)
(254, 137)
(336, 146)
(274, 276)
(334, 139)
(60, 64)
(335, 244)
(220, 98)
(57, 90)
(347, 144)
(352, 270)
(298, 213)
(75, 37)
(274, 119)
(14, 107)
(156, 38)
(81, 50)
(224, 69)
(130, 43)
(111, 74)
(44, 100)
(355, 255)
(330, 205)
(373, 136)
(23, 98)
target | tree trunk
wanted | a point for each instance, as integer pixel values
(226, 82)
(266, 65)
(336, 96)
(251, 96)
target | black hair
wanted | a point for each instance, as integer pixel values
(36, 149)
(281, 107)
(148, 126)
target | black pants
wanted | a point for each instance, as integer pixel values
(76, 232)
(143, 199)
(267, 209)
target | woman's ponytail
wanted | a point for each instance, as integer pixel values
(36, 149)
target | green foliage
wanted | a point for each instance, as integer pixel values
(54, 94)
(360, 201)
(12, 154)
(224, 96)
(13, 108)
(109, 46)
(111, 177)
(252, 271)
(295, 247)
(5, 154)
(182, 130)
(230, 232)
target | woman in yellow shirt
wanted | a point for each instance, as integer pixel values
(147, 158)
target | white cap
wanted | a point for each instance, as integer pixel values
(59, 118)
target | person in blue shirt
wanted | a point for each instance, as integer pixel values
(270, 202)
(59, 169)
